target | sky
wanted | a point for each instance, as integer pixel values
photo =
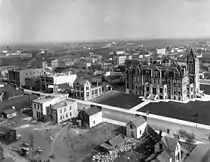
(30, 21)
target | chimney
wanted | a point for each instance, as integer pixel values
(160, 133)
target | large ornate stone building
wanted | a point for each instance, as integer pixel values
(164, 79)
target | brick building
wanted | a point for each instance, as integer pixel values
(167, 79)
(18, 77)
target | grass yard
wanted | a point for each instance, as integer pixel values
(205, 88)
(194, 111)
(119, 99)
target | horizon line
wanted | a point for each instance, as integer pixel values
(99, 40)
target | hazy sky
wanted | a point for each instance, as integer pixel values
(72, 20)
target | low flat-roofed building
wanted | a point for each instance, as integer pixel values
(9, 113)
(50, 83)
(7, 135)
(39, 105)
(62, 111)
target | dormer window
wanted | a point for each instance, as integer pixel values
(131, 126)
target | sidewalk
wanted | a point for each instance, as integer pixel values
(114, 122)
(137, 107)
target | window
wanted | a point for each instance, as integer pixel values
(94, 122)
(132, 134)
(131, 126)
(60, 117)
(140, 132)
(64, 109)
(87, 88)
(161, 146)
(60, 110)
(66, 115)
(70, 113)
(87, 94)
(69, 107)
(161, 90)
(168, 131)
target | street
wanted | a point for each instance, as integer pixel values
(157, 124)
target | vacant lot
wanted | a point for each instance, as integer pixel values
(67, 144)
(195, 111)
(79, 143)
(119, 99)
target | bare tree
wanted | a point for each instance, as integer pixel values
(189, 138)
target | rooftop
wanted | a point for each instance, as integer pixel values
(116, 141)
(63, 104)
(44, 99)
(4, 130)
(80, 81)
(49, 98)
(138, 121)
(9, 111)
(199, 153)
(93, 110)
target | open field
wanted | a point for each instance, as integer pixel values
(19, 102)
(119, 99)
(194, 111)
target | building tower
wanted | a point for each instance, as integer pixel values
(193, 69)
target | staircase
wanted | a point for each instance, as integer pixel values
(152, 96)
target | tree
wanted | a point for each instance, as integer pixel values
(189, 138)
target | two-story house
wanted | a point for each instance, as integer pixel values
(39, 106)
(172, 150)
(83, 89)
(62, 111)
(136, 127)
(91, 117)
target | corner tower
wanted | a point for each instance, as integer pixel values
(193, 70)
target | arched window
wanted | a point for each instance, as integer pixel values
(138, 71)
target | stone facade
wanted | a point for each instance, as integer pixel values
(168, 79)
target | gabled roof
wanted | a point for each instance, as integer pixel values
(116, 141)
(186, 147)
(170, 143)
(138, 121)
(106, 146)
(164, 156)
(9, 111)
(199, 153)
(93, 110)
(81, 81)
(156, 138)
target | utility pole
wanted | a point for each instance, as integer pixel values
(31, 151)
